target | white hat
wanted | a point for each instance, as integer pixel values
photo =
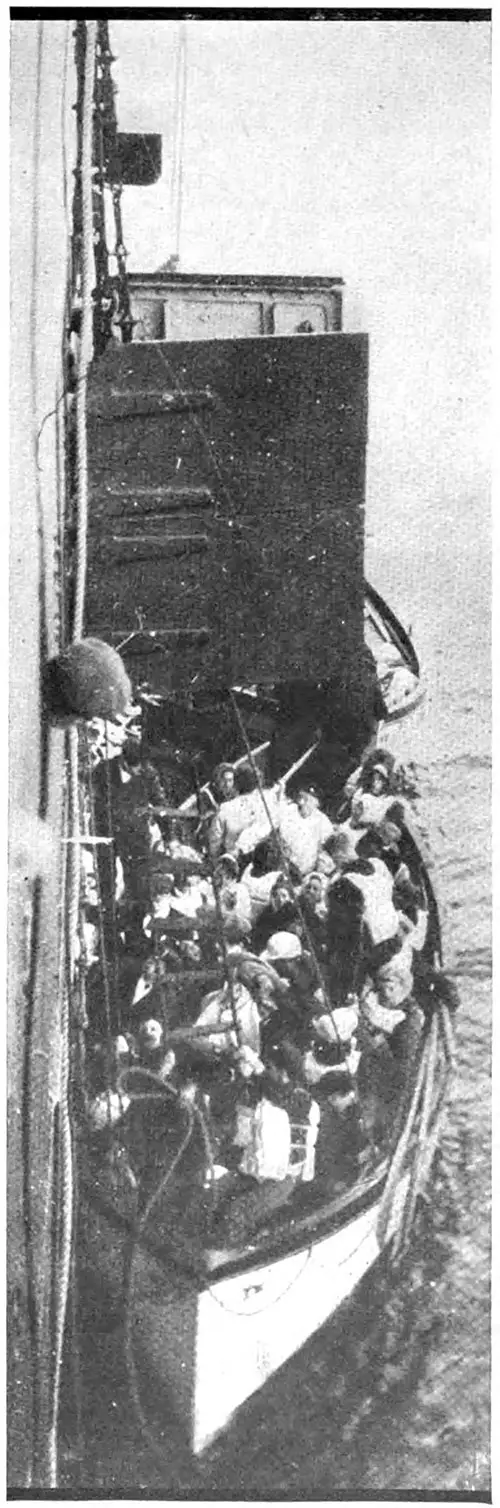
(282, 945)
(381, 767)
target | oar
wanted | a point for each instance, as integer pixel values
(284, 779)
(237, 764)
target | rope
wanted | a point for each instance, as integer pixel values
(109, 814)
(448, 1036)
(422, 1133)
(65, 1245)
(228, 970)
(426, 1115)
(65, 1167)
(399, 1159)
(128, 1285)
(45, 1423)
(151, 1077)
(65, 1210)
(179, 123)
(73, 1319)
(264, 1309)
(85, 347)
(102, 940)
(36, 1277)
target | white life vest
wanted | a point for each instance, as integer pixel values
(274, 1146)
(303, 837)
(394, 980)
(380, 913)
(368, 810)
(218, 1013)
(259, 889)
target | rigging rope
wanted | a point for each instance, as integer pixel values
(85, 346)
(228, 969)
(53, 1187)
(179, 125)
(100, 909)
(110, 834)
(64, 1210)
(421, 1133)
(128, 1282)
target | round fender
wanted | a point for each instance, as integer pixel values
(87, 680)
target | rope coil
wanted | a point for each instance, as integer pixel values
(417, 1145)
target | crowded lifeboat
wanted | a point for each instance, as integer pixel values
(258, 955)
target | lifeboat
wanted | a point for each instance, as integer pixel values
(398, 668)
(240, 1174)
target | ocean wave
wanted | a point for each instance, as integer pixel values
(448, 762)
(473, 963)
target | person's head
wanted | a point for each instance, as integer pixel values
(390, 835)
(380, 760)
(160, 884)
(226, 869)
(229, 893)
(153, 969)
(150, 1035)
(313, 888)
(280, 893)
(307, 800)
(132, 752)
(259, 979)
(324, 863)
(224, 782)
(409, 899)
(341, 850)
(379, 780)
(370, 846)
(284, 952)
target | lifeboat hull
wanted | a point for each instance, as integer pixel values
(205, 1347)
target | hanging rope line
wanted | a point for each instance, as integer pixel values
(85, 345)
(61, 1177)
(100, 912)
(85, 350)
(110, 834)
(65, 1193)
(129, 1274)
(178, 133)
(413, 1157)
(228, 969)
(52, 1185)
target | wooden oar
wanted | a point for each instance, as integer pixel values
(284, 779)
(237, 764)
